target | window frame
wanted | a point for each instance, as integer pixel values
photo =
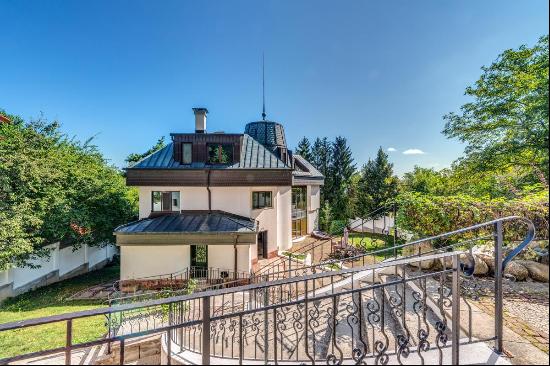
(183, 144)
(256, 202)
(161, 201)
(219, 146)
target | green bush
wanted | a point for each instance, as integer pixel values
(54, 188)
(425, 215)
(337, 227)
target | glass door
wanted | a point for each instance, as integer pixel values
(199, 261)
(262, 245)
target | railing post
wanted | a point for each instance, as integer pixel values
(394, 230)
(206, 330)
(455, 312)
(266, 327)
(109, 321)
(121, 355)
(498, 287)
(69, 342)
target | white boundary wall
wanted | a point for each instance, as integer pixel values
(62, 263)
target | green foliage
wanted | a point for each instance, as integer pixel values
(337, 227)
(506, 124)
(427, 215)
(338, 179)
(52, 189)
(426, 181)
(377, 185)
(304, 149)
(321, 153)
(325, 217)
(295, 255)
(134, 158)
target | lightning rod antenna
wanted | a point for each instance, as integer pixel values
(263, 87)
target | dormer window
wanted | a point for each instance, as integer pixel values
(186, 153)
(220, 153)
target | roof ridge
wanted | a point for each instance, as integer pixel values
(150, 155)
(270, 153)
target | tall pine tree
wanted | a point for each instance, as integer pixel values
(338, 179)
(320, 155)
(304, 149)
(377, 185)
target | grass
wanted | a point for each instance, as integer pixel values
(373, 241)
(51, 300)
(296, 256)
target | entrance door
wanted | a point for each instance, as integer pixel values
(199, 261)
(262, 245)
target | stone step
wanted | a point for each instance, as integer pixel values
(416, 323)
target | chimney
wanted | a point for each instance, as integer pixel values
(200, 119)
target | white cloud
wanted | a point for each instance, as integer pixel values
(392, 149)
(413, 152)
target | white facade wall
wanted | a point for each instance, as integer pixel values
(284, 218)
(139, 261)
(223, 257)
(153, 260)
(313, 207)
(238, 201)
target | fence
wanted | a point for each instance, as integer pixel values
(62, 263)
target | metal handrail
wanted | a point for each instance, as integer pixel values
(116, 308)
(194, 296)
(530, 236)
(261, 288)
(321, 242)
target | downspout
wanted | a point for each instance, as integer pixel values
(235, 257)
(209, 192)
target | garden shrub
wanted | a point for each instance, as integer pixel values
(426, 215)
(337, 227)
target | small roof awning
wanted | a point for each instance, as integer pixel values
(189, 227)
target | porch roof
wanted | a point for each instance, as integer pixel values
(189, 228)
(190, 222)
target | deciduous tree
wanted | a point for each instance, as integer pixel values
(506, 123)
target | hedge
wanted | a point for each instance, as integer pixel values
(425, 215)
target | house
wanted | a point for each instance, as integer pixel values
(218, 200)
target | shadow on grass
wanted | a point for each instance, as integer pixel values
(52, 300)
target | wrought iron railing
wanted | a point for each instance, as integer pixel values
(202, 277)
(328, 316)
(318, 247)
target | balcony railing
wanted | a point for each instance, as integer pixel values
(327, 316)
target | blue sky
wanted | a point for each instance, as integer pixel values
(381, 73)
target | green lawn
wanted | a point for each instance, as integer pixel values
(370, 242)
(50, 300)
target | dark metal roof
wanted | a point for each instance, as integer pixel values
(191, 222)
(253, 156)
(304, 169)
(268, 133)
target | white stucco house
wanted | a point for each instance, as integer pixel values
(218, 200)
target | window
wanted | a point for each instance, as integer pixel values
(220, 153)
(261, 200)
(165, 201)
(186, 153)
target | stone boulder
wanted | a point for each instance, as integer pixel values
(517, 270)
(489, 261)
(481, 268)
(537, 271)
(425, 247)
